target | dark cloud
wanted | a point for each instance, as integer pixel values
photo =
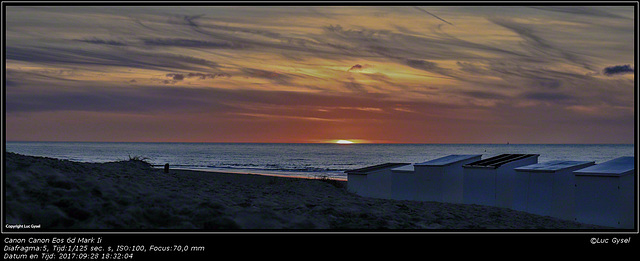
(176, 76)
(422, 65)
(528, 76)
(355, 67)
(354, 86)
(471, 68)
(484, 95)
(618, 69)
(547, 96)
(139, 99)
(263, 73)
(189, 20)
(201, 76)
(358, 34)
(275, 77)
(179, 42)
(96, 40)
(429, 67)
(546, 82)
(143, 99)
(38, 77)
(358, 67)
(579, 10)
(252, 31)
(236, 37)
(114, 57)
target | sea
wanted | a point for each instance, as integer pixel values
(301, 160)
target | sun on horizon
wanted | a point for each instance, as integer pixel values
(344, 142)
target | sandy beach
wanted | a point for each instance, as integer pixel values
(131, 194)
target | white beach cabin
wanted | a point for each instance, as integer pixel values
(403, 183)
(605, 193)
(547, 188)
(491, 181)
(438, 180)
(373, 181)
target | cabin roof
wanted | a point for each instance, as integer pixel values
(497, 161)
(367, 170)
(405, 168)
(447, 160)
(554, 166)
(615, 167)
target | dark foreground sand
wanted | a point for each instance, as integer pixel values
(60, 194)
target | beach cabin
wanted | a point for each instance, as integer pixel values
(547, 188)
(373, 181)
(438, 180)
(491, 181)
(605, 193)
(403, 183)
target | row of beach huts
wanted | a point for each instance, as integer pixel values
(599, 194)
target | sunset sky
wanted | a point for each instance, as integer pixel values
(391, 74)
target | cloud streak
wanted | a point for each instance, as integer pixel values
(117, 58)
(189, 43)
(425, 11)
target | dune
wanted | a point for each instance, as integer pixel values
(132, 194)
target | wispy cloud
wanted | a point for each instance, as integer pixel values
(580, 10)
(539, 48)
(106, 57)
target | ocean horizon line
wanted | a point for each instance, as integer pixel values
(317, 143)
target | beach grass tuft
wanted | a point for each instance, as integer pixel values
(139, 158)
(336, 183)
